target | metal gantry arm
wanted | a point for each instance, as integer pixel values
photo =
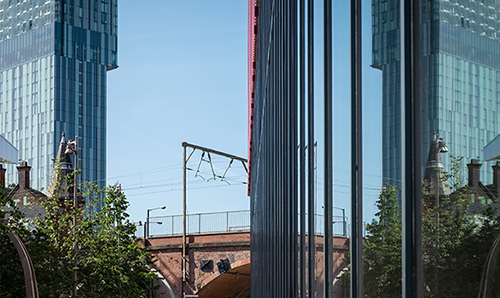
(213, 151)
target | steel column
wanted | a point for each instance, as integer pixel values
(311, 204)
(293, 210)
(412, 285)
(356, 154)
(302, 141)
(328, 105)
(281, 136)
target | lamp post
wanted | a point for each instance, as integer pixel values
(344, 222)
(146, 227)
(72, 147)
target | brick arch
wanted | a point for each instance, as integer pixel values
(215, 247)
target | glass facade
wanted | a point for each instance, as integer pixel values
(459, 80)
(54, 55)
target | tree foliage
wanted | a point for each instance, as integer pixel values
(382, 248)
(109, 261)
(11, 272)
(455, 242)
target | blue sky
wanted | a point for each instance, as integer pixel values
(182, 76)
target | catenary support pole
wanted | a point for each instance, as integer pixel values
(185, 145)
(184, 195)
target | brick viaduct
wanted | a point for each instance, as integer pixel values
(205, 251)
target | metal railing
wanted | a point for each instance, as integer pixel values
(199, 223)
(223, 222)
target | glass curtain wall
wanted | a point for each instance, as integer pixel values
(430, 198)
(54, 56)
(453, 79)
(285, 248)
(298, 236)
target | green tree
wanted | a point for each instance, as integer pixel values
(108, 258)
(122, 268)
(11, 271)
(455, 242)
(382, 248)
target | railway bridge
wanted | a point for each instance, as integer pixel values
(218, 250)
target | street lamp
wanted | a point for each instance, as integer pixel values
(146, 227)
(72, 147)
(344, 222)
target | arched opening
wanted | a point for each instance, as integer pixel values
(233, 284)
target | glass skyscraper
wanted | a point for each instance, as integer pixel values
(54, 55)
(459, 79)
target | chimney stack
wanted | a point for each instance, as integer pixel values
(2, 176)
(496, 178)
(24, 175)
(474, 168)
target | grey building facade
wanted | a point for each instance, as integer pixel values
(459, 80)
(54, 55)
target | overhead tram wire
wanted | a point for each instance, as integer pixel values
(177, 183)
(230, 177)
(180, 189)
(146, 172)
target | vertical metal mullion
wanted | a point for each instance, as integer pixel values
(356, 154)
(289, 150)
(268, 179)
(417, 179)
(268, 262)
(278, 180)
(276, 175)
(406, 184)
(279, 187)
(328, 198)
(277, 155)
(272, 261)
(410, 198)
(282, 184)
(302, 140)
(294, 126)
(285, 203)
(310, 154)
